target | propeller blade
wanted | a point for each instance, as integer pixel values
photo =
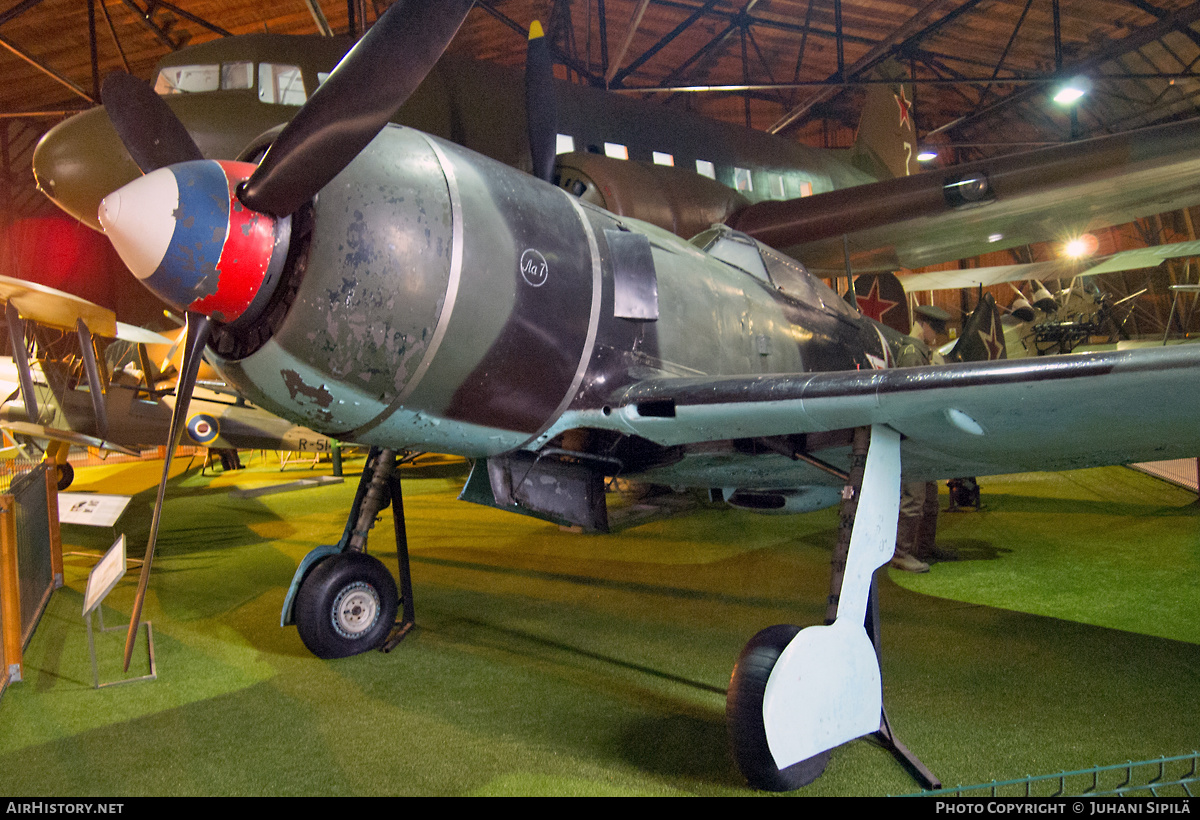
(92, 368)
(541, 108)
(199, 329)
(354, 104)
(16, 338)
(148, 128)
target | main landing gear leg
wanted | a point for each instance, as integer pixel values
(885, 736)
(346, 600)
(408, 614)
(797, 693)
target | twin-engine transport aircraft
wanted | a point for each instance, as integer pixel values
(681, 171)
(396, 289)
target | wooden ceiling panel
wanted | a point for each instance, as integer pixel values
(680, 42)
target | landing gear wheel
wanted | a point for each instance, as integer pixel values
(346, 605)
(744, 716)
(66, 474)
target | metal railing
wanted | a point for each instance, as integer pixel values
(1183, 472)
(1162, 777)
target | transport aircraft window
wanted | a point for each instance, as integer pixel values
(706, 169)
(742, 181)
(188, 79)
(280, 84)
(564, 144)
(237, 76)
(616, 150)
(775, 186)
(663, 159)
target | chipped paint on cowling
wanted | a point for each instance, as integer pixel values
(375, 288)
(296, 387)
(292, 389)
(372, 292)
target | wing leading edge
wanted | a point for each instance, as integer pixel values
(969, 210)
(981, 418)
(1136, 259)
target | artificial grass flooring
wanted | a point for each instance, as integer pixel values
(549, 662)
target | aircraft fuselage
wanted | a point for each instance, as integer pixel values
(475, 104)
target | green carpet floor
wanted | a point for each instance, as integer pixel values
(549, 662)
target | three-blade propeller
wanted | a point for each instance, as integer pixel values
(349, 109)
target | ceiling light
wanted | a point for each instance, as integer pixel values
(1074, 88)
(1083, 246)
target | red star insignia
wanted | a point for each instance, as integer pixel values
(905, 107)
(991, 339)
(871, 305)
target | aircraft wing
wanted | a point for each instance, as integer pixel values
(969, 210)
(1054, 269)
(24, 428)
(54, 308)
(985, 418)
(140, 335)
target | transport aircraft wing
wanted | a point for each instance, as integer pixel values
(968, 210)
(906, 222)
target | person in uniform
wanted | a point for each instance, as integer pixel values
(916, 529)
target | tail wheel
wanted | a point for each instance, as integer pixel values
(346, 606)
(744, 716)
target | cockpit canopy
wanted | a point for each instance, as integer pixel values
(768, 265)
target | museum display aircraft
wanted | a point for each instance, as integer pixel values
(78, 377)
(396, 289)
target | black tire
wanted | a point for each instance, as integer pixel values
(346, 605)
(66, 474)
(744, 716)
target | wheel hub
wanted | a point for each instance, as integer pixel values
(355, 610)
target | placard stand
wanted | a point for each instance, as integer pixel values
(101, 580)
